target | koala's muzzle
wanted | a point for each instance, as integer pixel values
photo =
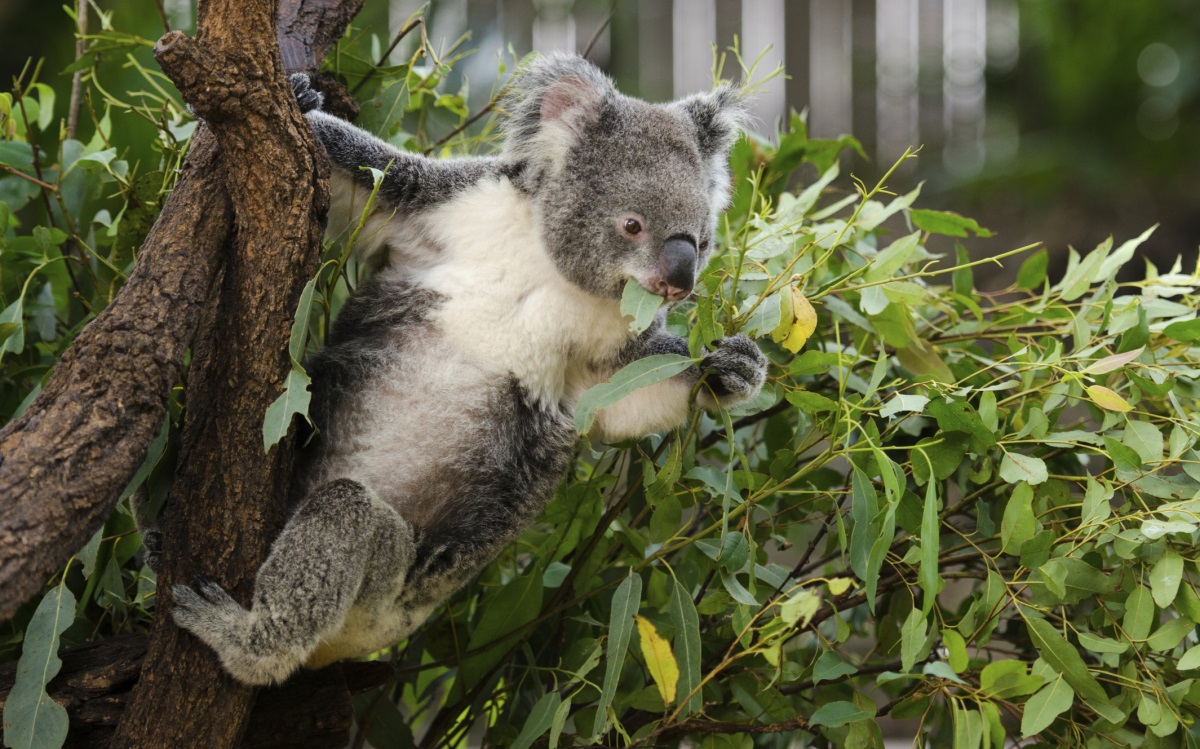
(675, 274)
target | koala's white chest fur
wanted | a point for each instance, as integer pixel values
(507, 305)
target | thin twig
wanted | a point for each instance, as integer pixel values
(77, 80)
(403, 32)
(470, 121)
(711, 439)
(34, 180)
(162, 13)
(612, 11)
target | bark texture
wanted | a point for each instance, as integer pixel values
(312, 710)
(229, 500)
(64, 463)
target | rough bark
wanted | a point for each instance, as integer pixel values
(312, 710)
(309, 28)
(64, 463)
(229, 500)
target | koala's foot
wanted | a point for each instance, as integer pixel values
(317, 569)
(306, 96)
(735, 370)
(240, 639)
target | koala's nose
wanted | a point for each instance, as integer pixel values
(676, 268)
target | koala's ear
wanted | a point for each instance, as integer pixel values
(718, 117)
(551, 102)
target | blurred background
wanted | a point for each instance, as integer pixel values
(1063, 121)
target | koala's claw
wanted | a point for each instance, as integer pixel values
(735, 370)
(152, 548)
(307, 97)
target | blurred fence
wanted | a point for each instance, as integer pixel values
(893, 72)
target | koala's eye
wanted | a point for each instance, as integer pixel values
(632, 226)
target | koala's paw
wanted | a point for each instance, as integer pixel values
(152, 547)
(735, 370)
(307, 97)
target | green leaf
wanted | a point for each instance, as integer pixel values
(1032, 274)
(1051, 701)
(956, 649)
(625, 604)
(300, 323)
(687, 648)
(1015, 468)
(539, 720)
(1124, 458)
(294, 399)
(13, 317)
(912, 638)
(1190, 659)
(1078, 578)
(928, 577)
(812, 403)
(638, 374)
(945, 452)
(959, 416)
(1064, 659)
(505, 613)
(839, 713)
(639, 305)
(31, 719)
(1144, 439)
(947, 223)
(1170, 634)
(967, 726)
(1008, 678)
(1185, 330)
(1165, 577)
(1018, 524)
(1139, 614)
(831, 666)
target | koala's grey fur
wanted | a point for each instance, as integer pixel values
(444, 397)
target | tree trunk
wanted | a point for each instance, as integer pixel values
(229, 500)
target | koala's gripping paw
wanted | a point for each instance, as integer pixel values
(735, 370)
(307, 97)
(152, 545)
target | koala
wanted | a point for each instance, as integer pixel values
(444, 397)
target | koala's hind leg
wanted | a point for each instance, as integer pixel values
(340, 540)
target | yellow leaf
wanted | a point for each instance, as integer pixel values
(659, 659)
(1105, 398)
(838, 585)
(803, 324)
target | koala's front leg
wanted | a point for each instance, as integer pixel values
(734, 371)
(341, 540)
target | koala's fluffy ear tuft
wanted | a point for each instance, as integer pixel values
(718, 118)
(550, 102)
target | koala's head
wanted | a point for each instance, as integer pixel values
(625, 189)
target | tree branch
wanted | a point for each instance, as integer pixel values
(65, 461)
